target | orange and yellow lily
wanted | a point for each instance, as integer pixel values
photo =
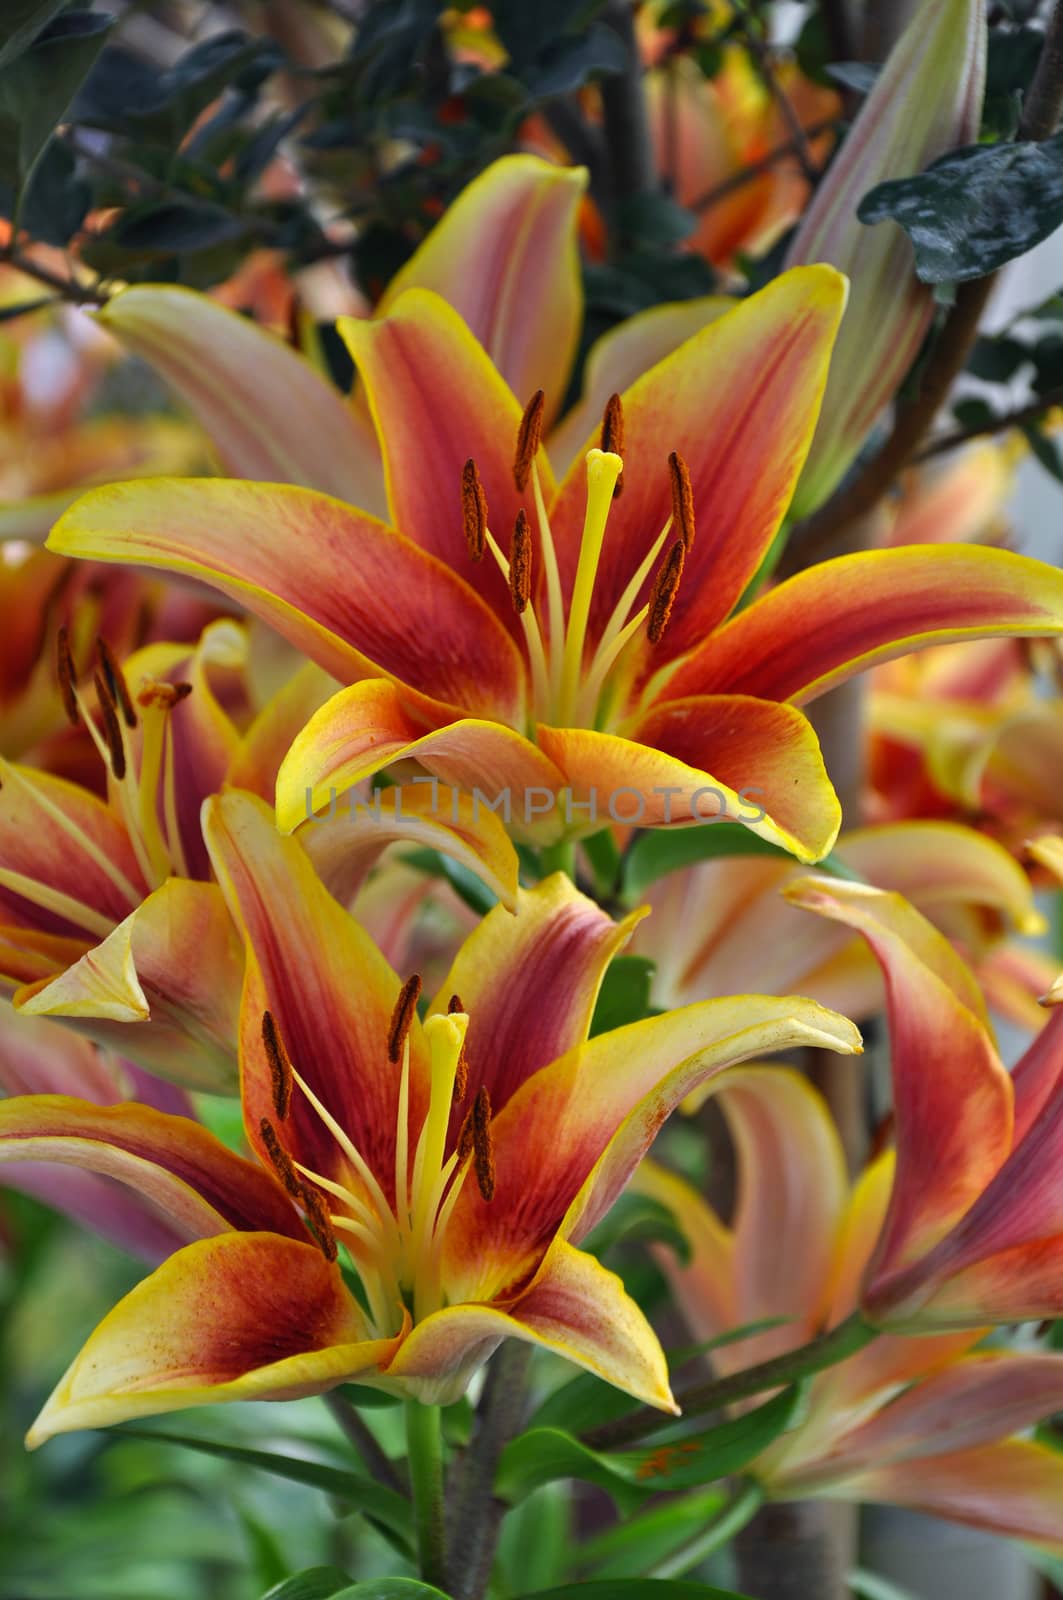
(458, 1160)
(929, 1423)
(599, 670)
(974, 1229)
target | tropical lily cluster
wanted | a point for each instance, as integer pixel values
(433, 770)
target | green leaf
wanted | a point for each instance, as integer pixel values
(173, 227)
(1045, 450)
(625, 993)
(638, 1218)
(23, 21)
(654, 219)
(687, 1462)
(383, 1505)
(656, 853)
(315, 1583)
(869, 1586)
(640, 1542)
(975, 209)
(637, 1589)
(37, 87)
(391, 1589)
(462, 880)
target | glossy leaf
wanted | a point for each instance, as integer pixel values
(625, 993)
(36, 88)
(656, 853)
(391, 1589)
(315, 1583)
(638, 1589)
(975, 209)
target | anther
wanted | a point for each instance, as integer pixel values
(116, 682)
(461, 1071)
(112, 732)
(280, 1160)
(64, 664)
(402, 1016)
(166, 695)
(529, 437)
(664, 591)
(466, 1139)
(483, 1150)
(520, 563)
(613, 435)
(317, 1218)
(280, 1066)
(473, 510)
(682, 499)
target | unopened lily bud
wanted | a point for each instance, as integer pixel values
(927, 100)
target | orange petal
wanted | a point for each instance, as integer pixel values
(530, 983)
(568, 1140)
(1013, 1488)
(504, 256)
(198, 1185)
(174, 970)
(366, 727)
(436, 400)
(693, 760)
(621, 356)
(244, 1316)
(840, 617)
(320, 572)
(952, 1095)
(739, 402)
(345, 847)
(267, 412)
(330, 990)
(575, 1308)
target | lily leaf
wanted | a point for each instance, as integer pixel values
(638, 1589)
(687, 1462)
(383, 1505)
(654, 854)
(975, 209)
(625, 993)
(391, 1589)
(315, 1583)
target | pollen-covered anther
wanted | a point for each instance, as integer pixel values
(461, 1071)
(613, 435)
(280, 1160)
(529, 438)
(520, 563)
(166, 695)
(112, 731)
(402, 1016)
(473, 510)
(116, 682)
(64, 666)
(280, 1066)
(320, 1225)
(665, 587)
(483, 1149)
(682, 498)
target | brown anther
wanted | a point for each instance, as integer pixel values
(665, 586)
(280, 1160)
(166, 695)
(529, 437)
(682, 499)
(613, 435)
(64, 665)
(483, 1150)
(319, 1222)
(402, 1016)
(461, 1071)
(520, 563)
(280, 1066)
(116, 682)
(473, 510)
(112, 731)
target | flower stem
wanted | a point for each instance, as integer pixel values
(826, 1351)
(424, 1444)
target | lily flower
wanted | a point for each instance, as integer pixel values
(974, 1229)
(598, 670)
(930, 1423)
(722, 924)
(458, 1161)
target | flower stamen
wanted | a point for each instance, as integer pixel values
(529, 438)
(483, 1149)
(65, 672)
(280, 1067)
(665, 587)
(473, 510)
(682, 498)
(612, 436)
(402, 1017)
(520, 563)
(116, 683)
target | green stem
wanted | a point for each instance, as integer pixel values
(560, 857)
(424, 1444)
(732, 1519)
(826, 1351)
